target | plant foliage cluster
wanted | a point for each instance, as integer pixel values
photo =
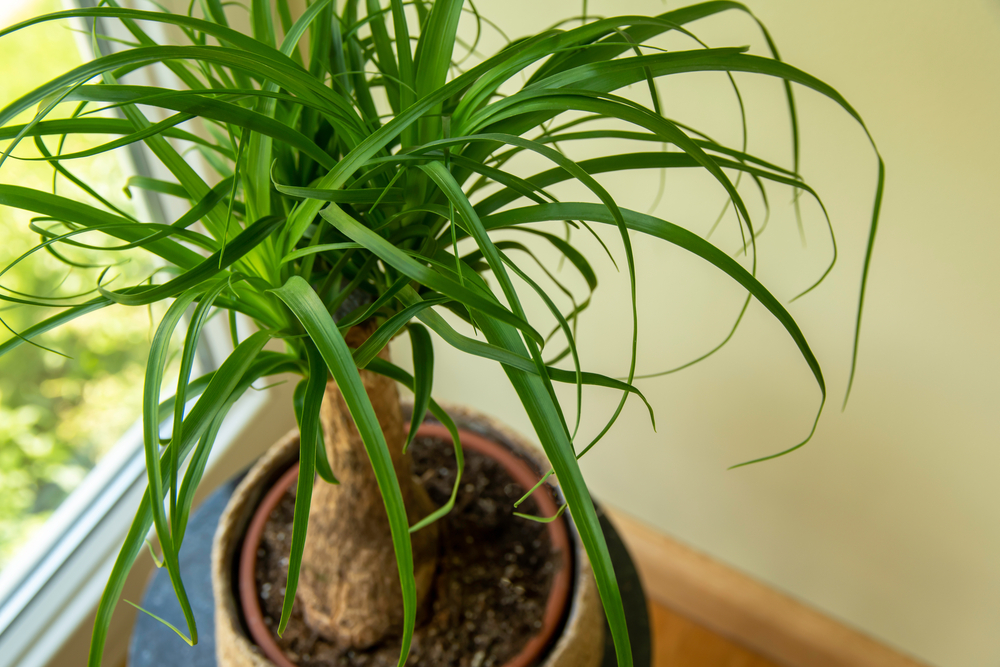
(353, 155)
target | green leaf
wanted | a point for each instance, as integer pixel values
(389, 370)
(235, 376)
(404, 57)
(384, 299)
(676, 235)
(437, 40)
(383, 47)
(217, 29)
(156, 185)
(298, 29)
(544, 417)
(209, 267)
(77, 126)
(570, 341)
(377, 341)
(158, 351)
(542, 519)
(164, 622)
(432, 59)
(310, 439)
(323, 247)
(355, 196)
(572, 254)
(408, 266)
(261, 23)
(61, 208)
(312, 389)
(307, 307)
(200, 104)
(478, 348)
(191, 338)
(423, 373)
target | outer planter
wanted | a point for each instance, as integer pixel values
(579, 645)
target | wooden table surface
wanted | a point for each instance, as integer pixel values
(679, 642)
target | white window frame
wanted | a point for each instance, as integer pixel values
(50, 591)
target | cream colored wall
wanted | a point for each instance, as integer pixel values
(890, 518)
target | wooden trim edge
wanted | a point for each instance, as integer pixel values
(732, 604)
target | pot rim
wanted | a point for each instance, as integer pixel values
(520, 471)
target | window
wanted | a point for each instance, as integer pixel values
(59, 415)
(71, 468)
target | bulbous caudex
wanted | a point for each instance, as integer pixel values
(349, 583)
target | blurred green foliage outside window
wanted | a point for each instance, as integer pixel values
(59, 415)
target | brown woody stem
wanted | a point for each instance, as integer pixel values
(349, 582)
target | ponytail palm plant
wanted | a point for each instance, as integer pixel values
(358, 175)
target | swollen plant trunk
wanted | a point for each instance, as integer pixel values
(349, 582)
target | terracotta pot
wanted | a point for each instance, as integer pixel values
(579, 645)
(518, 470)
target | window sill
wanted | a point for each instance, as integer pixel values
(47, 613)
